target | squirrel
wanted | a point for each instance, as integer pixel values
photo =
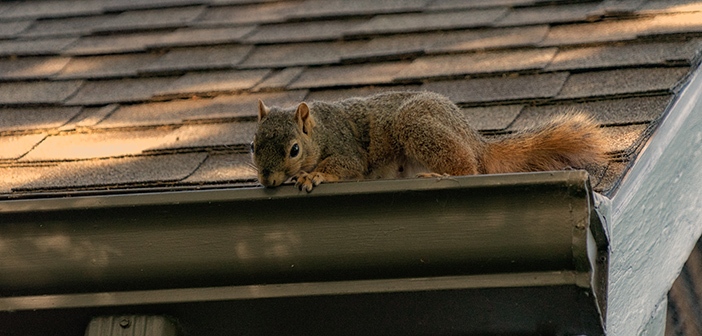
(404, 134)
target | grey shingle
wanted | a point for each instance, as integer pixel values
(175, 112)
(500, 89)
(402, 23)
(338, 8)
(302, 32)
(334, 95)
(37, 92)
(478, 63)
(106, 66)
(618, 7)
(34, 47)
(224, 168)
(462, 4)
(97, 145)
(488, 39)
(65, 26)
(667, 6)
(40, 9)
(17, 119)
(364, 74)
(14, 146)
(625, 55)
(109, 172)
(89, 117)
(13, 28)
(151, 19)
(209, 135)
(119, 90)
(215, 57)
(606, 112)
(122, 5)
(114, 44)
(492, 118)
(296, 54)
(675, 24)
(548, 14)
(31, 67)
(280, 79)
(605, 31)
(621, 82)
(208, 82)
(247, 14)
(203, 36)
(620, 138)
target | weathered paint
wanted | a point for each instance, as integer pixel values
(655, 216)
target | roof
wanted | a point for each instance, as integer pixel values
(161, 94)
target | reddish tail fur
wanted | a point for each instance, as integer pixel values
(570, 140)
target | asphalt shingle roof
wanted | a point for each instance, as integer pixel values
(135, 93)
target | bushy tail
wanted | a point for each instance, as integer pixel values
(570, 140)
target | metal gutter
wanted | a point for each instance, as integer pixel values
(397, 229)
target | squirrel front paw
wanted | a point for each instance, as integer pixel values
(307, 181)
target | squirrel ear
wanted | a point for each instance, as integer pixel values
(303, 118)
(262, 110)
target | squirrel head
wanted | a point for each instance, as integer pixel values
(283, 145)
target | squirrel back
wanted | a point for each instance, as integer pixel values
(390, 134)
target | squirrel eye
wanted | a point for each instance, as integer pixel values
(294, 151)
(252, 147)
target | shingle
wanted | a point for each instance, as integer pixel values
(338, 8)
(280, 79)
(217, 57)
(618, 7)
(65, 26)
(403, 23)
(363, 74)
(208, 82)
(14, 146)
(122, 5)
(209, 135)
(224, 168)
(605, 31)
(393, 46)
(109, 172)
(500, 89)
(676, 23)
(151, 19)
(203, 36)
(106, 66)
(97, 145)
(487, 39)
(119, 90)
(606, 112)
(619, 82)
(89, 117)
(668, 6)
(37, 9)
(18, 119)
(114, 44)
(334, 95)
(492, 118)
(548, 14)
(31, 67)
(304, 31)
(478, 63)
(12, 29)
(175, 112)
(462, 4)
(625, 55)
(620, 138)
(605, 181)
(37, 92)
(297, 54)
(247, 14)
(34, 47)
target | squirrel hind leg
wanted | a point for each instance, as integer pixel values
(436, 142)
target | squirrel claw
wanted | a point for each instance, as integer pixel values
(307, 181)
(424, 175)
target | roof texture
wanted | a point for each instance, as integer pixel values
(128, 94)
